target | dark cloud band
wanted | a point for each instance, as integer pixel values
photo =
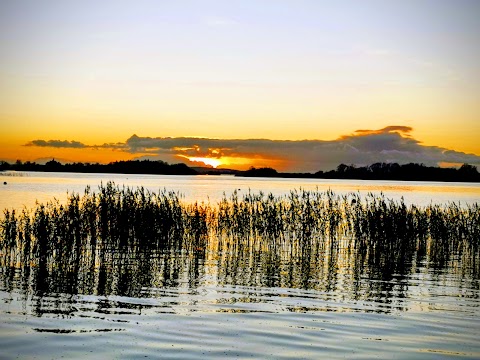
(364, 147)
(57, 144)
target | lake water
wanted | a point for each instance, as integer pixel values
(25, 188)
(238, 298)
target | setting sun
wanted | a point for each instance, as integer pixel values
(207, 161)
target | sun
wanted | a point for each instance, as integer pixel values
(207, 161)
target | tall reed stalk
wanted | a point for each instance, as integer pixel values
(123, 219)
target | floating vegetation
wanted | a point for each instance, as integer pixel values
(13, 173)
(100, 226)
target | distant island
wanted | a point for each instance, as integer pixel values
(380, 171)
(377, 171)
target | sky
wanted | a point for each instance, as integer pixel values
(294, 85)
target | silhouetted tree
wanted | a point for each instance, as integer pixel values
(53, 165)
(260, 172)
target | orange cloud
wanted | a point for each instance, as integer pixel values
(403, 130)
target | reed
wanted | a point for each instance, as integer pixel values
(123, 219)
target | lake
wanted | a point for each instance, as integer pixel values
(25, 188)
(300, 293)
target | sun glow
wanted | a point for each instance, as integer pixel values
(207, 161)
(234, 162)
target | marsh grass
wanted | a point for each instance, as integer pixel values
(99, 227)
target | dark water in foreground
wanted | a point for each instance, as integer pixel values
(244, 299)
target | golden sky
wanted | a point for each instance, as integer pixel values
(98, 72)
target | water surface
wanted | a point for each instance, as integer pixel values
(243, 302)
(25, 188)
(243, 296)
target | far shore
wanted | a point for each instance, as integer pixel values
(377, 171)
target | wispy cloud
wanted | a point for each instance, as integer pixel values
(389, 129)
(363, 147)
(75, 144)
(57, 144)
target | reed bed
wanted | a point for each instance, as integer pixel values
(117, 220)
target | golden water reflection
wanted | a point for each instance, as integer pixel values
(252, 274)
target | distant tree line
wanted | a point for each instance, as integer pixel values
(411, 171)
(381, 171)
(120, 167)
(377, 171)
